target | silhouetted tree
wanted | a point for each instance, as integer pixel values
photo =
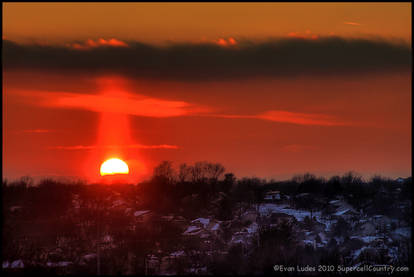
(165, 171)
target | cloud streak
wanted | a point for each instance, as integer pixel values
(293, 118)
(130, 146)
(132, 104)
(36, 131)
(139, 105)
(209, 61)
(301, 118)
(352, 23)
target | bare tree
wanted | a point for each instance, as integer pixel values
(215, 170)
(165, 170)
(184, 172)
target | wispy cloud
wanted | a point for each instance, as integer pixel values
(301, 118)
(39, 131)
(352, 23)
(131, 104)
(139, 105)
(130, 146)
(293, 118)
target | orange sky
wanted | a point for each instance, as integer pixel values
(161, 22)
(335, 111)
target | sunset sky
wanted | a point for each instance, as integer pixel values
(267, 89)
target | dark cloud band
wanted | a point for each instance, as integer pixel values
(187, 62)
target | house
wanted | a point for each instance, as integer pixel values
(249, 216)
(278, 218)
(382, 222)
(142, 216)
(15, 209)
(400, 180)
(272, 195)
(367, 229)
(347, 214)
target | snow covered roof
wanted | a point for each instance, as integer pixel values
(177, 253)
(252, 228)
(404, 231)
(15, 208)
(89, 257)
(167, 217)
(342, 212)
(139, 213)
(215, 227)
(58, 264)
(334, 201)
(117, 203)
(17, 264)
(345, 211)
(192, 230)
(204, 221)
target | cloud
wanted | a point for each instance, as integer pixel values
(131, 104)
(209, 61)
(293, 118)
(352, 23)
(98, 43)
(306, 35)
(139, 105)
(34, 131)
(301, 118)
(229, 42)
(130, 146)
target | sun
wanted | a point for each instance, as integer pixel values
(114, 166)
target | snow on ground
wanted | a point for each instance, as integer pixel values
(358, 252)
(17, 264)
(117, 203)
(393, 253)
(204, 221)
(215, 227)
(252, 228)
(308, 241)
(59, 264)
(198, 270)
(366, 239)
(404, 231)
(328, 223)
(321, 244)
(177, 253)
(269, 208)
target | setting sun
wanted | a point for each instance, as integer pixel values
(114, 166)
